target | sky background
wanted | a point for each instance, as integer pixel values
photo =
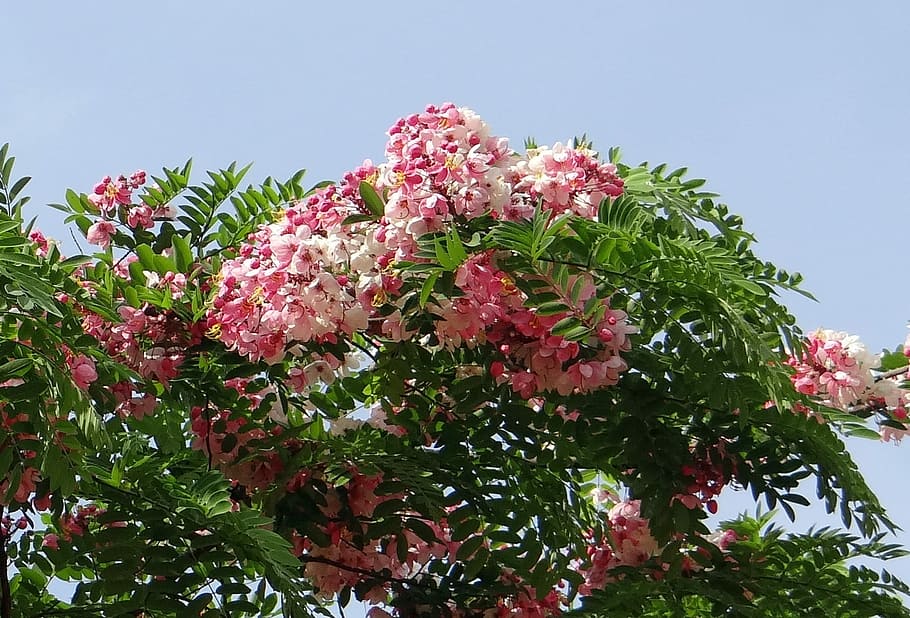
(795, 112)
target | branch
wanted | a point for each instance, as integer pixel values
(872, 406)
(892, 373)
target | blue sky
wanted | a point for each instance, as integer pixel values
(795, 112)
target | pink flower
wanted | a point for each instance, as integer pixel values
(137, 179)
(27, 484)
(40, 242)
(110, 193)
(42, 503)
(51, 541)
(83, 369)
(140, 217)
(100, 233)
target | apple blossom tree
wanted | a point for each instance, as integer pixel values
(463, 381)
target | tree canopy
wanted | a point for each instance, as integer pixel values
(463, 381)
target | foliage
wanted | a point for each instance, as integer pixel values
(404, 387)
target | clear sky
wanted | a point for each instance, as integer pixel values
(796, 112)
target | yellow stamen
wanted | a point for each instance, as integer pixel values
(257, 297)
(379, 298)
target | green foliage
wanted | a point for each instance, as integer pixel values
(508, 478)
(767, 573)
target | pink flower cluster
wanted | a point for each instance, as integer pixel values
(113, 199)
(837, 369)
(630, 544)
(29, 475)
(8, 525)
(708, 478)
(311, 278)
(305, 278)
(151, 342)
(212, 429)
(567, 179)
(524, 603)
(226, 439)
(359, 498)
(110, 193)
(533, 359)
(42, 245)
(75, 524)
(442, 164)
(82, 369)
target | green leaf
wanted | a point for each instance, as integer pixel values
(183, 256)
(72, 263)
(893, 360)
(21, 259)
(146, 257)
(427, 288)
(454, 247)
(551, 308)
(469, 547)
(750, 286)
(15, 368)
(18, 186)
(421, 529)
(443, 257)
(358, 218)
(372, 200)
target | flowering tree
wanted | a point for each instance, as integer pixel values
(464, 381)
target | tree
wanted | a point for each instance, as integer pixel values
(463, 381)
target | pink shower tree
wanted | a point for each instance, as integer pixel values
(463, 381)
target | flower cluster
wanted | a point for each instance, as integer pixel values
(294, 281)
(442, 164)
(13, 426)
(317, 275)
(9, 524)
(75, 524)
(82, 369)
(533, 359)
(112, 199)
(110, 193)
(708, 476)
(567, 178)
(342, 561)
(150, 341)
(837, 369)
(42, 244)
(343, 508)
(630, 544)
